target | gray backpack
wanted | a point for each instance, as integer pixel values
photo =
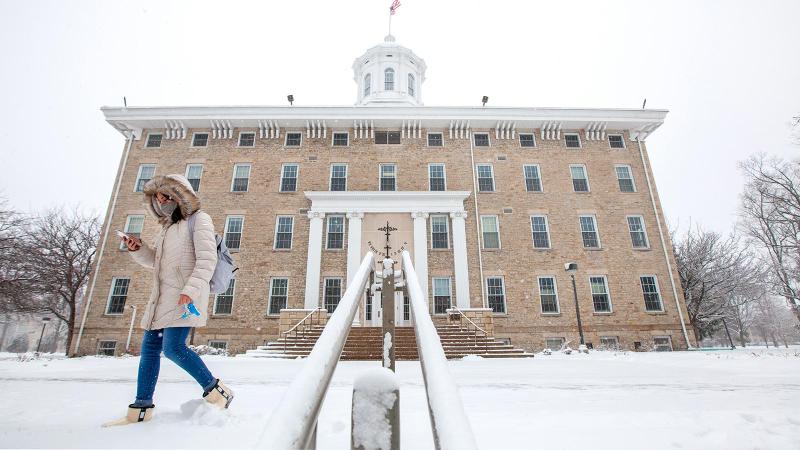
(224, 271)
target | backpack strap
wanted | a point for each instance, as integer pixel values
(191, 220)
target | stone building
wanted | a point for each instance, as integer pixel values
(492, 202)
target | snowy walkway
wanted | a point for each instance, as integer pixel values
(705, 400)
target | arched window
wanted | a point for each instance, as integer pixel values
(367, 84)
(388, 80)
(411, 85)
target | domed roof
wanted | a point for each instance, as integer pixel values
(389, 74)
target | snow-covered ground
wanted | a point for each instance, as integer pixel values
(742, 399)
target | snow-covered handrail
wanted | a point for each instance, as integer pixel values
(293, 424)
(451, 428)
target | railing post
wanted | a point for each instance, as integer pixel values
(387, 304)
(376, 407)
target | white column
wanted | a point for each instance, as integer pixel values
(314, 259)
(460, 258)
(421, 249)
(354, 251)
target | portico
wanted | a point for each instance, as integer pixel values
(410, 210)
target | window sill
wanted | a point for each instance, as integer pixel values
(113, 315)
(234, 250)
(656, 313)
(594, 249)
(287, 192)
(643, 249)
(542, 249)
(441, 250)
(238, 192)
(602, 313)
(281, 249)
(335, 250)
(491, 249)
(292, 147)
(487, 192)
(499, 314)
(558, 314)
(272, 316)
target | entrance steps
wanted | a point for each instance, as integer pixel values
(366, 343)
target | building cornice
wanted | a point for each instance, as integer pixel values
(638, 122)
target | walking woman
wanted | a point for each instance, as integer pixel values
(183, 260)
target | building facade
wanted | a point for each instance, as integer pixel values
(491, 203)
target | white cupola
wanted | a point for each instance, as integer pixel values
(389, 74)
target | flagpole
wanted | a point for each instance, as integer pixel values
(390, 21)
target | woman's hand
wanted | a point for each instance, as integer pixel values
(184, 300)
(133, 243)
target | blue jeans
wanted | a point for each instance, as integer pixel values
(173, 342)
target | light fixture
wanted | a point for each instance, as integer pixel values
(571, 268)
(290, 97)
(485, 99)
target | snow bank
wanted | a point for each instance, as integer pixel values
(374, 395)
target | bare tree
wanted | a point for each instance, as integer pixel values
(59, 249)
(13, 276)
(770, 215)
(714, 272)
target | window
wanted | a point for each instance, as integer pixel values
(247, 139)
(533, 182)
(200, 140)
(541, 235)
(367, 84)
(194, 172)
(388, 80)
(118, 296)
(485, 178)
(625, 179)
(638, 235)
(341, 139)
(572, 140)
(600, 297)
(223, 303)
(554, 343)
(335, 232)
(133, 228)
(589, 232)
(387, 137)
(411, 85)
(241, 178)
(441, 295)
(233, 232)
(481, 139)
(107, 348)
(491, 233)
(439, 232)
(652, 298)
(278, 295)
(333, 293)
(283, 232)
(293, 139)
(662, 343)
(527, 140)
(435, 140)
(406, 308)
(338, 177)
(289, 178)
(153, 140)
(388, 177)
(548, 295)
(219, 345)
(616, 141)
(580, 183)
(496, 294)
(436, 178)
(609, 342)
(368, 308)
(146, 172)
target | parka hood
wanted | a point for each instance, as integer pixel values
(176, 187)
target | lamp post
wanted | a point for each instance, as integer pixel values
(44, 324)
(571, 268)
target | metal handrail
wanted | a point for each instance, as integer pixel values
(293, 424)
(294, 328)
(449, 423)
(474, 332)
(470, 321)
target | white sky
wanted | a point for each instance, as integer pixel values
(728, 71)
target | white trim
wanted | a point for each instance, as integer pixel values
(488, 139)
(225, 231)
(249, 172)
(269, 295)
(387, 201)
(608, 294)
(330, 176)
(333, 138)
(127, 230)
(630, 172)
(433, 294)
(100, 345)
(427, 137)
(658, 291)
(239, 140)
(139, 175)
(233, 299)
(286, 139)
(555, 289)
(328, 230)
(519, 139)
(596, 231)
(539, 172)
(644, 230)
(586, 177)
(622, 136)
(147, 139)
(296, 177)
(208, 139)
(342, 288)
(447, 230)
(111, 293)
(547, 229)
(578, 135)
(477, 175)
(505, 299)
(186, 174)
(380, 175)
(497, 223)
(275, 234)
(444, 175)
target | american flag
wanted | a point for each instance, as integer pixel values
(395, 5)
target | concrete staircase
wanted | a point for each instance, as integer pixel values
(366, 343)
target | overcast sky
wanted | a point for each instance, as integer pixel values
(729, 72)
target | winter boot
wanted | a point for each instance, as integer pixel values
(219, 395)
(135, 414)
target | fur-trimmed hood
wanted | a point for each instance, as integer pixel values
(176, 187)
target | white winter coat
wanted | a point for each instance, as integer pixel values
(182, 262)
